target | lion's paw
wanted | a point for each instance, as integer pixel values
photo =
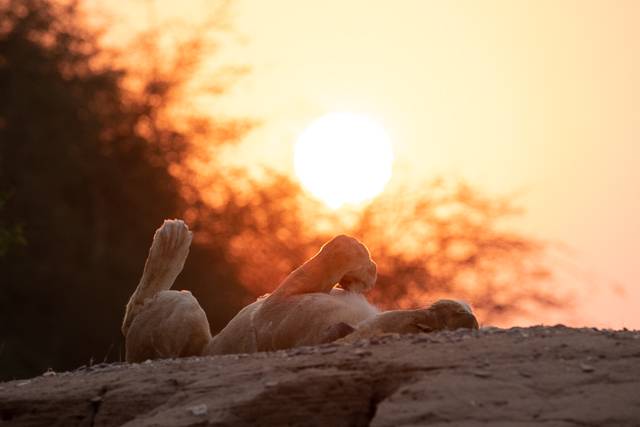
(172, 240)
(360, 280)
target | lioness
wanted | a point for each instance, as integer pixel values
(305, 309)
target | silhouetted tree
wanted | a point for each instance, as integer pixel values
(10, 233)
(447, 240)
(88, 165)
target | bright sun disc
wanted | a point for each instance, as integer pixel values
(343, 158)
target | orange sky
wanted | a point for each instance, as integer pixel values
(538, 97)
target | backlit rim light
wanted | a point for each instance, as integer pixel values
(343, 158)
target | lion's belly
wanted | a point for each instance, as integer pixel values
(301, 319)
(296, 321)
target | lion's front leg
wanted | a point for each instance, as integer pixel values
(279, 323)
(342, 260)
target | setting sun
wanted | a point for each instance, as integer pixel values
(343, 158)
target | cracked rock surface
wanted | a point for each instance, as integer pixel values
(555, 376)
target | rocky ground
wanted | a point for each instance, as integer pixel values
(552, 376)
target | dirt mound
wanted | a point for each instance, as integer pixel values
(555, 376)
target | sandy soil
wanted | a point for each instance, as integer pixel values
(552, 376)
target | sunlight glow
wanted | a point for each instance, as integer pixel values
(343, 158)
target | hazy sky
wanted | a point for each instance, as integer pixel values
(541, 98)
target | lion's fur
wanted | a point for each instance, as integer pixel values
(160, 323)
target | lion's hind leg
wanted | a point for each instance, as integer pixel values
(160, 323)
(171, 324)
(166, 258)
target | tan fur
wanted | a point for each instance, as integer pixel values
(443, 315)
(161, 324)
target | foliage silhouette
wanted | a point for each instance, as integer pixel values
(446, 241)
(88, 163)
(10, 233)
